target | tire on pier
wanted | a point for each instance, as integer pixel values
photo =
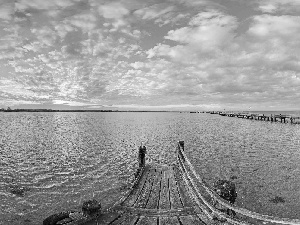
(53, 219)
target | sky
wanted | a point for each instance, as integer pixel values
(150, 54)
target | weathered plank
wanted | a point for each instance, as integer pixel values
(137, 190)
(183, 192)
(190, 220)
(154, 196)
(126, 219)
(105, 218)
(156, 212)
(147, 221)
(164, 197)
(142, 200)
(173, 192)
(163, 220)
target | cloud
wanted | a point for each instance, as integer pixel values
(115, 12)
(132, 53)
(23, 5)
(278, 6)
(207, 29)
(16, 89)
(45, 35)
(172, 18)
(137, 65)
(267, 25)
(63, 29)
(86, 22)
(225, 70)
(71, 103)
(6, 11)
(154, 11)
(207, 32)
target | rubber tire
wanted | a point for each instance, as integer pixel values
(53, 219)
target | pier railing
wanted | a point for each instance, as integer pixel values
(206, 199)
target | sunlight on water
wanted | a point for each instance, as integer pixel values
(52, 162)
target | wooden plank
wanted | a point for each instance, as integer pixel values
(104, 219)
(183, 191)
(190, 220)
(142, 200)
(155, 212)
(126, 219)
(154, 195)
(163, 220)
(174, 192)
(147, 221)
(164, 198)
(136, 192)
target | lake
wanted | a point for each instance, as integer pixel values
(62, 159)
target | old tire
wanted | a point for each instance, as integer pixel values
(53, 219)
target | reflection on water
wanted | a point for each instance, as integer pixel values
(61, 159)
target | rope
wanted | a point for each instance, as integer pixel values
(241, 211)
(213, 209)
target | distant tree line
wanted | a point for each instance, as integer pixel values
(51, 110)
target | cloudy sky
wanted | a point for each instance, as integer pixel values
(150, 54)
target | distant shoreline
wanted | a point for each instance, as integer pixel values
(76, 110)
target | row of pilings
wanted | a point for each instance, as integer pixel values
(263, 117)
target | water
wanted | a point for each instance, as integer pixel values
(62, 159)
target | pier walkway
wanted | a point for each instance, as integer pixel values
(158, 198)
(263, 117)
(175, 195)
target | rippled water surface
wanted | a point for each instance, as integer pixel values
(61, 159)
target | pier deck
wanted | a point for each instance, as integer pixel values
(159, 197)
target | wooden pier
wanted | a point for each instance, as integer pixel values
(173, 194)
(262, 117)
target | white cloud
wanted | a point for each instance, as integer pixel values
(71, 103)
(274, 6)
(15, 88)
(45, 35)
(6, 11)
(137, 65)
(207, 55)
(172, 18)
(268, 8)
(267, 25)
(63, 29)
(22, 5)
(114, 10)
(86, 22)
(154, 11)
(206, 30)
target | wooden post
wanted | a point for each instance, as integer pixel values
(181, 144)
(142, 154)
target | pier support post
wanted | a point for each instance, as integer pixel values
(181, 143)
(142, 156)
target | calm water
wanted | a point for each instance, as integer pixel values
(62, 159)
